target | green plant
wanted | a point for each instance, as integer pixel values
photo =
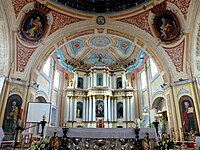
(41, 144)
(165, 144)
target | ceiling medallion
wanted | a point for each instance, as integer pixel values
(100, 41)
(101, 20)
(34, 24)
(166, 24)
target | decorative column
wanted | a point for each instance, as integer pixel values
(132, 109)
(87, 108)
(94, 109)
(75, 80)
(110, 81)
(148, 90)
(114, 82)
(95, 79)
(115, 109)
(128, 108)
(75, 105)
(105, 108)
(90, 108)
(84, 109)
(104, 78)
(124, 109)
(109, 109)
(71, 108)
(89, 81)
(112, 109)
(67, 109)
(123, 80)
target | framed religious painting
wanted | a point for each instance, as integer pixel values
(33, 26)
(188, 117)
(166, 26)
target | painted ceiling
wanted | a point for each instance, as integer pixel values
(113, 51)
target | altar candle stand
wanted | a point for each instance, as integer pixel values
(138, 143)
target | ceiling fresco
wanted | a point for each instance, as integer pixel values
(113, 51)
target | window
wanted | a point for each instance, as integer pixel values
(143, 79)
(119, 83)
(53, 117)
(56, 79)
(46, 67)
(80, 82)
(154, 68)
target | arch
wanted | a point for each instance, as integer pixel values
(139, 38)
(40, 99)
(188, 116)
(12, 113)
(159, 104)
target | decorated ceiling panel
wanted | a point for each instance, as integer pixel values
(100, 56)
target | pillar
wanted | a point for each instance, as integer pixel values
(84, 109)
(87, 108)
(105, 108)
(109, 109)
(90, 108)
(115, 109)
(94, 109)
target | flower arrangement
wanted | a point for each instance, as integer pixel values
(41, 144)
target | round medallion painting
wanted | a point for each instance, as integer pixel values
(34, 26)
(167, 26)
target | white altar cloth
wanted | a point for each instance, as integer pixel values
(102, 132)
(1, 135)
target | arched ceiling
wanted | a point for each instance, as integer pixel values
(114, 51)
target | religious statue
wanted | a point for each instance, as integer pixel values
(12, 117)
(34, 28)
(188, 117)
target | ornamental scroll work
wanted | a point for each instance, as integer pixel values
(34, 24)
(166, 24)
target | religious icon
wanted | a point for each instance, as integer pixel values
(99, 108)
(188, 116)
(11, 115)
(166, 26)
(100, 20)
(34, 26)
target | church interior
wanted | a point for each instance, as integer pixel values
(100, 69)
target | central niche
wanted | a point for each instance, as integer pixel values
(99, 79)
(99, 108)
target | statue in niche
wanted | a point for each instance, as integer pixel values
(99, 108)
(100, 79)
